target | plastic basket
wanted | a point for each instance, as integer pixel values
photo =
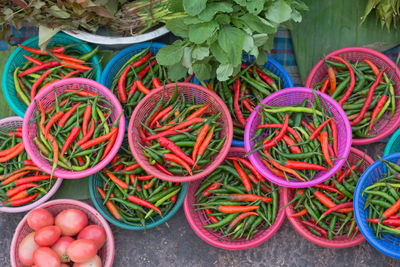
(47, 96)
(383, 127)
(389, 245)
(8, 125)
(338, 242)
(198, 218)
(191, 91)
(17, 59)
(294, 96)
(393, 146)
(54, 207)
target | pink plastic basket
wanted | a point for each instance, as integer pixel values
(9, 125)
(288, 194)
(54, 207)
(47, 97)
(191, 91)
(198, 218)
(294, 96)
(383, 127)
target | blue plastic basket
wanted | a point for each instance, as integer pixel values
(390, 244)
(17, 59)
(393, 146)
(273, 66)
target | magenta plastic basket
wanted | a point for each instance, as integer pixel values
(294, 96)
(345, 242)
(8, 125)
(106, 253)
(47, 97)
(191, 91)
(383, 127)
(198, 218)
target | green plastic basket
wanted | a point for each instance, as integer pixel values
(393, 146)
(17, 59)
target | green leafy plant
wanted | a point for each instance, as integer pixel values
(387, 12)
(216, 33)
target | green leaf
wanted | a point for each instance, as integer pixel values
(255, 6)
(231, 40)
(176, 72)
(257, 24)
(222, 19)
(260, 39)
(224, 71)
(58, 12)
(194, 7)
(177, 27)
(241, 2)
(248, 43)
(202, 70)
(175, 5)
(213, 8)
(262, 57)
(170, 54)
(199, 33)
(45, 35)
(192, 20)
(218, 53)
(279, 12)
(200, 52)
(187, 58)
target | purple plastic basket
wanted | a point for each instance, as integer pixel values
(198, 218)
(47, 96)
(106, 253)
(296, 96)
(8, 125)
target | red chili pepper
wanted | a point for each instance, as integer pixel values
(236, 106)
(67, 115)
(324, 86)
(171, 146)
(333, 126)
(52, 107)
(300, 165)
(142, 88)
(146, 69)
(275, 171)
(176, 159)
(22, 201)
(159, 115)
(352, 80)
(111, 207)
(142, 60)
(198, 112)
(74, 65)
(132, 90)
(144, 203)
(316, 227)
(99, 139)
(33, 60)
(243, 176)
(161, 168)
(213, 186)
(156, 82)
(392, 210)
(247, 105)
(34, 69)
(121, 85)
(72, 73)
(15, 152)
(144, 177)
(248, 197)
(13, 191)
(31, 179)
(373, 67)
(189, 78)
(271, 143)
(319, 129)
(291, 144)
(80, 92)
(299, 214)
(249, 166)
(324, 199)
(131, 167)
(289, 129)
(212, 218)
(117, 181)
(205, 142)
(283, 168)
(332, 80)
(59, 49)
(346, 173)
(239, 218)
(14, 177)
(377, 109)
(29, 163)
(148, 185)
(7, 151)
(70, 139)
(235, 209)
(88, 135)
(327, 187)
(392, 222)
(86, 118)
(325, 149)
(109, 146)
(342, 207)
(199, 140)
(52, 121)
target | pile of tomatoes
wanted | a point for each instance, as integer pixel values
(62, 240)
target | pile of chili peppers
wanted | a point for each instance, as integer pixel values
(295, 142)
(237, 200)
(243, 92)
(137, 77)
(383, 202)
(179, 137)
(76, 132)
(21, 181)
(364, 91)
(44, 68)
(131, 195)
(327, 209)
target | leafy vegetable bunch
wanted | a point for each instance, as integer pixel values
(216, 33)
(387, 11)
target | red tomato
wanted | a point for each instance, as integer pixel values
(39, 218)
(94, 262)
(71, 221)
(60, 247)
(26, 249)
(47, 236)
(46, 257)
(93, 232)
(82, 250)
